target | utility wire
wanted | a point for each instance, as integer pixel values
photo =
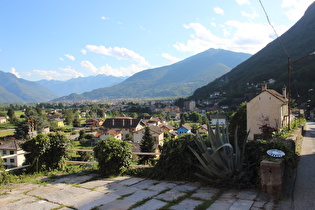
(274, 30)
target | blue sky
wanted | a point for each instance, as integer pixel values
(64, 39)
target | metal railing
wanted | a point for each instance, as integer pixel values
(77, 162)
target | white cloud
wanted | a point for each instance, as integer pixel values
(13, 71)
(48, 75)
(238, 36)
(241, 2)
(67, 73)
(61, 59)
(83, 51)
(71, 73)
(170, 58)
(296, 8)
(108, 70)
(71, 57)
(104, 18)
(251, 16)
(89, 66)
(120, 53)
(218, 10)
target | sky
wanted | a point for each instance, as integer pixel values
(65, 39)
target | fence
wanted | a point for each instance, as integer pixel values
(78, 162)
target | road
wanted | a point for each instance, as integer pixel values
(304, 189)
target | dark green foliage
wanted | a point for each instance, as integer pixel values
(147, 145)
(58, 151)
(47, 152)
(221, 162)
(238, 119)
(176, 162)
(113, 156)
(256, 151)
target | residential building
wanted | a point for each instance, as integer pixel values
(107, 134)
(218, 119)
(267, 108)
(156, 132)
(3, 119)
(9, 148)
(124, 124)
(183, 130)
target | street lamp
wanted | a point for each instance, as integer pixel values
(290, 67)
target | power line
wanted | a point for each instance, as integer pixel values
(274, 30)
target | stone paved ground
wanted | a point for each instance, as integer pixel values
(84, 192)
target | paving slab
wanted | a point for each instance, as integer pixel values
(99, 202)
(131, 181)
(146, 184)
(30, 203)
(247, 195)
(6, 199)
(162, 186)
(72, 196)
(242, 204)
(95, 184)
(21, 188)
(117, 205)
(140, 195)
(170, 195)
(220, 205)
(186, 187)
(151, 204)
(126, 190)
(80, 179)
(205, 193)
(187, 204)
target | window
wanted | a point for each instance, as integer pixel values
(5, 160)
(4, 152)
(11, 160)
(11, 152)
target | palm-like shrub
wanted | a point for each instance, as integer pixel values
(220, 162)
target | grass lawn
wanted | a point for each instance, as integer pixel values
(6, 133)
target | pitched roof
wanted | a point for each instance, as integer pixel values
(121, 123)
(277, 95)
(11, 145)
(187, 127)
(110, 132)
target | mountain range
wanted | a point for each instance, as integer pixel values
(178, 79)
(271, 64)
(80, 84)
(16, 90)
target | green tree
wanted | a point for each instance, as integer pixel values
(100, 112)
(68, 116)
(47, 152)
(147, 145)
(113, 155)
(58, 151)
(238, 119)
(134, 115)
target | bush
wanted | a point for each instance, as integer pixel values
(256, 151)
(113, 155)
(176, 162)
(47, 152)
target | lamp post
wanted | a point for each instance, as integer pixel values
(290, 67)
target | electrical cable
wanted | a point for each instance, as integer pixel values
(274, 30)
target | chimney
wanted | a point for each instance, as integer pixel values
(264, 86)
(284, 91)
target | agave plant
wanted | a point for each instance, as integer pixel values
(219, 160)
